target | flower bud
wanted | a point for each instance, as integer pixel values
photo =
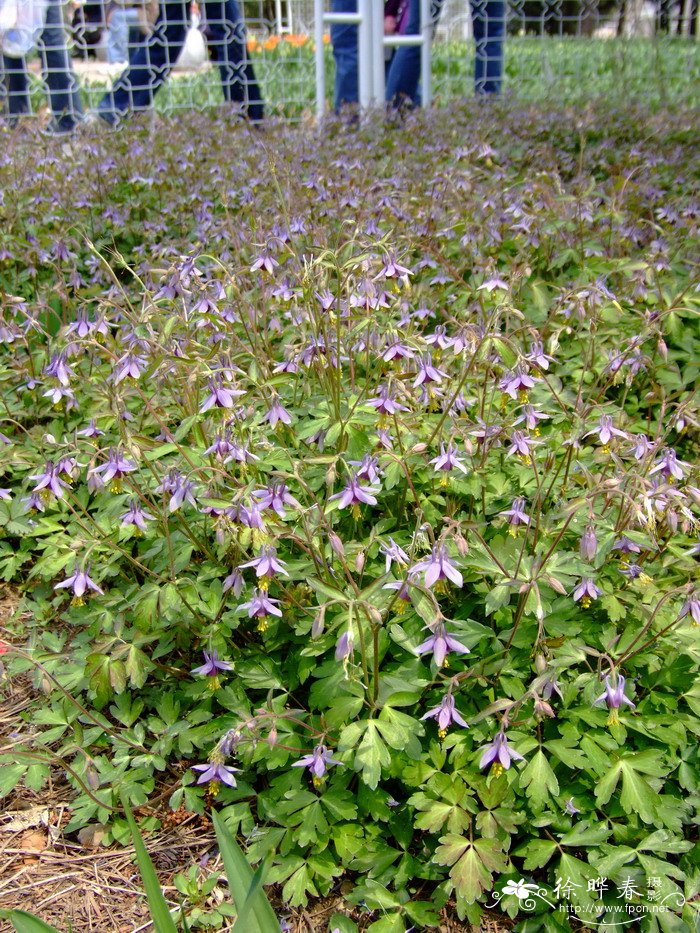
(542, 708)
(319, 623)
(589, 544)
(336, 544)
(360, 561)
(540, 663)
(662, 349)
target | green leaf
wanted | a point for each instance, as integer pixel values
(473, 863)
(537, 852)
(259, 916)
(27, 923)
(160, 914)
(372, 755)
(539, 781)
(637, 796)
(10, 776)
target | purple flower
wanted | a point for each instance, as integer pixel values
(116, 467)
(266, 565)
(260, 607)
(80, 582)
(136, 516)
(384, 403)
(441, 643)
(588, 546)
(605, 430)
(641, 446)
(669, 465)
(181, 490)
(396, 350)
(516, 514)
(49, 482)
(520, 445)
(129, 366)
(571, 807)
(216, 773)
(59, 369)
(691, 607)
(427, 373)
(368, 469)
(614, 696)
(234, 582)
(448, 459)
(275, 497)
(354, 494)
(531, 416)
(439, 566)
(586, 591)
(212, 665)
(626, 546)
(220, 396)
(345, 646)
(517, 383)
(6, 495)
(440, 338)
(393, 553)
(91, 430)
(499, 753)
(538, 356)
(318, 762)
(445, 714)
(276, 414)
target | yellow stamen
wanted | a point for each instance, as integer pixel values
(77, 601)
(513, 530)
(613, 718)
(497, 769)
(213, 683)
(263, 624)
(523, 396)
(214, 787)
(116, 486)
(264, 584)
(356, 511)
(444, 479)
(585, 601)
(442, 733)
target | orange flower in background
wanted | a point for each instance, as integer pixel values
(271, 43)
(326, 38)
(253, 45)
(296, 39)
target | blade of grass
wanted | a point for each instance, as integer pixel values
(160, 913)
(27, 923)
(259, 915)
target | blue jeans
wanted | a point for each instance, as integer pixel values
(151, 62)
(57, 71)
(488, 18)
(121, 23)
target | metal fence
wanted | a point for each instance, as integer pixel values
(568, 50)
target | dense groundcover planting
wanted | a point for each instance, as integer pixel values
(350, 480)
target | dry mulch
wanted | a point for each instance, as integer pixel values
(80, 886)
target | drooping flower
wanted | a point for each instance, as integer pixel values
(691, 607)
(234, 582)
(113, 471)
(520, 444)
(384, 402)
(586, 591)
(531, 416)
(538, 356)
(368, 469)
(261, 607)
(80, 583)
(439, 566)
(626, 546)
(354, 494)
(517, 383)
(212, 665)
(445, 714)
(59, 369)
(588, 545)
(345, 646)
(441, 643)
(641, 445)
(128, 366)
(318, 762)
(266, 565)
(669, 465)
(499, 754)
(220, 395)
(606, 430)
(448, 460)
(427, 373)
(276, 414)
(215, 773)
(395, 350)
(136, 516)
(49, 482)
(614, 695)
(393, 553)
(275, 497)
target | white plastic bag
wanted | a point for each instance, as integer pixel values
(194, 52)
(21, 24)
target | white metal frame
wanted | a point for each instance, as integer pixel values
(371, 43)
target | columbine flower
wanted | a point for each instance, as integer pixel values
(445, 714)
(669, 465)
(211, 667)
(345, 646)
(6, 494)
(586, 591)
(531, 416)
(275, 497)
(520, 445)
(116, 467)
(439, 566)
(368, 469)
(49, 482)
(266, 565)
(516, 515)
(392, 552)
(129, 366)
(234, 582)
(588, 546)
(220, 396)
(626, 546)
(499, 754)
(180, 488)
(91, 430)
(517, 383)
(136, 516)
(606, 430)
(427, 373)
(691, 607)
(260, 607)
(318, 762)
(448, 460)
(641, 446)
(354, 495)
(59, 369)
(571, 807)
(396, 350)
(614, 696)
(80, 582)
(384, 403)
(216, 773)
(441, 643)
(538, 356)
(276, 414)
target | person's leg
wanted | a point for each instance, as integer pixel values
(489, 21)
(344, 40)
(118, 37)
(17, 86)
(404, 73)
(57, 69)
(149, 65)
(226, 29)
